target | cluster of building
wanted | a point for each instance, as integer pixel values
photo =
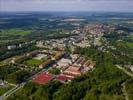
(74, 66)
(70, 67)
(20, 45)
(46, 57)
(53, 43)
(75, 40)
(129, 67)
(97, 28)
(21, 58)
(50, 61)
(82, 37)
(3, 83)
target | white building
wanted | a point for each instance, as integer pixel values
(131, 68)
(74, 57)
(64, 62)
(11, 47)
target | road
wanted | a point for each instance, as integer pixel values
(125, 71)
(19, 86)
(123, 85)
(124, 91)
(13, 90)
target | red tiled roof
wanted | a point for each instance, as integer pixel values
(87, 64)
(73, 69)
(82, 60)
(69, 75)
(63, 77)
(43, 78)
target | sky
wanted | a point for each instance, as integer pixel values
(67, 5)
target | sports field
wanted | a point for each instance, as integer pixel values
(33, 62)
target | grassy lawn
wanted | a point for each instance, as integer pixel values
(131, 37)
(16, 32)
(130, 44)
(33, 62)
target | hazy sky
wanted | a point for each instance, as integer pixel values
(67, 5)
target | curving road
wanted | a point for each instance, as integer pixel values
(123, 85)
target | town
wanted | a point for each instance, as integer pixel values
(56, 59)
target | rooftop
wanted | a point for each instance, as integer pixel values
(43, 78)
(63, 77)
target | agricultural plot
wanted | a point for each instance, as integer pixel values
(15, 32)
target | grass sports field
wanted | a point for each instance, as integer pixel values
(33, 62)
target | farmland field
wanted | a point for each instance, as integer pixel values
(15, 31)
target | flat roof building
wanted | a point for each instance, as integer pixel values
(73, 70)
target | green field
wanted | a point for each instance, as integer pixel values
(15, 31)
(33, 62)
(130, 45)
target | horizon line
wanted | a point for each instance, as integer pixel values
(71, 11)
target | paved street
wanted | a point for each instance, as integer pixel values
(19, 86)
(124, 91)
(13, 90)
(125, 71)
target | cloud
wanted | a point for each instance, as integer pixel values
(66, 5)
